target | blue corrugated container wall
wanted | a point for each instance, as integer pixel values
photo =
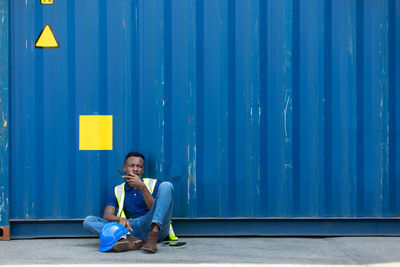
(259, 112)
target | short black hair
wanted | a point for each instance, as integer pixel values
(133, 154)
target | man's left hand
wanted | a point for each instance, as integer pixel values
(134, 180)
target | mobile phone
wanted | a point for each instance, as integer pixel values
(174, 243)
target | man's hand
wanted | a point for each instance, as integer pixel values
(125, 223)
(134, 180)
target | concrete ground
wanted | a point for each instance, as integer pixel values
(346, 251)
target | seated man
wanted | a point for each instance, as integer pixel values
(146, 214)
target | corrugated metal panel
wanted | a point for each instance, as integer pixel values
(4, 126)
(251, 108)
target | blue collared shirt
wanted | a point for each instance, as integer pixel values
(134, 204)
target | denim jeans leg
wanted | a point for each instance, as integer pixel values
(160, 213)
(94, 224)
(138, 231)
(163, 209)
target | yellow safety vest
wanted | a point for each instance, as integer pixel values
(119, 192)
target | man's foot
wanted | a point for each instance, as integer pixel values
(128, 243)
(151, 243)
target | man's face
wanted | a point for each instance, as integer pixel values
(134, 165)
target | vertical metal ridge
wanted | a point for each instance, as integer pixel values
(152, 86)
(243, 80)
(360, 105)
(183, 161)
(5, 122)
(311, 107)
(193, 205)
(192, 125)
(73, 116)
(255, 109)
(135, 63)
(328, 107)
(392, 107)
(103, 54)
(384, 127)
(396, 72)
(231, 104)
(167, 155)
(14, 139)
(215, 93)
(140, 64)
(41, 185)
(296, 103)
(375, 107)
(12, 116)
(103, 94)
(263, 107)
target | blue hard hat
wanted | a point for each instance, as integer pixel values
(110, 234)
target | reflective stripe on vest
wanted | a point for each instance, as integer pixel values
(119, 192)
(150, 184)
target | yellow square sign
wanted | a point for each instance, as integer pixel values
(95, 132)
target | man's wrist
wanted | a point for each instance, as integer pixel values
(142, 187)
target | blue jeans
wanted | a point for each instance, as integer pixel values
(160, 214)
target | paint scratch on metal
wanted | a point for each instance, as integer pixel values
(190, 90)
(191, 184)
(286, 101)
(3, 204)
(2, 208)
(288, 166)
(4, 119)
(350, 34)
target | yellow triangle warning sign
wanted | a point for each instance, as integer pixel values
(46, 38)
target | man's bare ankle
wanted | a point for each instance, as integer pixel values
(155, 228)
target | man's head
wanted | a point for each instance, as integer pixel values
(134, 163)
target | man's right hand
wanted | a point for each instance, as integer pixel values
(125, 223)
(134, 180)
